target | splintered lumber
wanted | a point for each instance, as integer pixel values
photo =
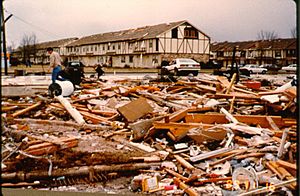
(209, 154)
(235, 94)
(226, 158)
(231, 83)
(177, 175)
(140, 128)
(94, 118)
(185, 188)
(61, 123)
(74, 171)
(178, 115)
(142, 147)
(163, 102)
(48, 148)
(282, 143)
(229, 116)
(272, 123)
(246, 119)
(210, 180)
(206, 88)
(287, 164)
(86, 98)
(199, 135)
(8, 108)
(135, 109)
(21, 112)
(183, 162)
(72, 111)
(246, 129)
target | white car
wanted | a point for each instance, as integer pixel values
(180, 65)
(252, 68)
(290, 68)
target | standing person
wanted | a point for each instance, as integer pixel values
(55, 63)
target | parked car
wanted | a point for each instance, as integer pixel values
(272, 67)
(252, 68)
(290, 68)
(183, 65)
(239, 66)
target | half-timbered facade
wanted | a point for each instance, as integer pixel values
(142, 47)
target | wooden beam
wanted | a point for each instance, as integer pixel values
(21, 112)
(221, 119)
(185, 188)
(72, 111)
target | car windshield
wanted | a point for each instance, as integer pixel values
(186, 61)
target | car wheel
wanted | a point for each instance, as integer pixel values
(195, 73)
(251, 72)
(176, 72)
(264, 72)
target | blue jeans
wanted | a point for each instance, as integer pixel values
(55, 73)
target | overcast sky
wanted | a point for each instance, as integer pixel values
(222, 20)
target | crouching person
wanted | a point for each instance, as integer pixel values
(99, 70)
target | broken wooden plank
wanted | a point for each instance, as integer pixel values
(71, 110)
(228, 116)
(235, 94)
(61, 123)
(221, 119)
(177, 175)
(230, 84)
(21, 112)
(190, 191)
(286, 164)
(184, 163)
(199, 135)
(209, 154)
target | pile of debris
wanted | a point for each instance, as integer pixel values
(203, 135)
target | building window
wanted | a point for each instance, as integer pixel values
(291, 53)
(95, 48)
(243, 53)
(87, 49)
(113, 47)
(150, 43)
(103, 48)
(92, 48)
(175, 33)
(130, 59)
(123, 59)
(220, 53)
(108, 47)
(277, 53)
(83, 49)
(190, 33)
(119, 46)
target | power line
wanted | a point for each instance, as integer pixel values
(32, 25)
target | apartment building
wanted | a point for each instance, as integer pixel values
(278, 51)
(145, 46)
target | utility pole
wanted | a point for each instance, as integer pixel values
(1, 34)
(4, 41)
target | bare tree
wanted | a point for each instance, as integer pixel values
(11, 47)
(294, 32)
(28, 46)
(267, 35)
